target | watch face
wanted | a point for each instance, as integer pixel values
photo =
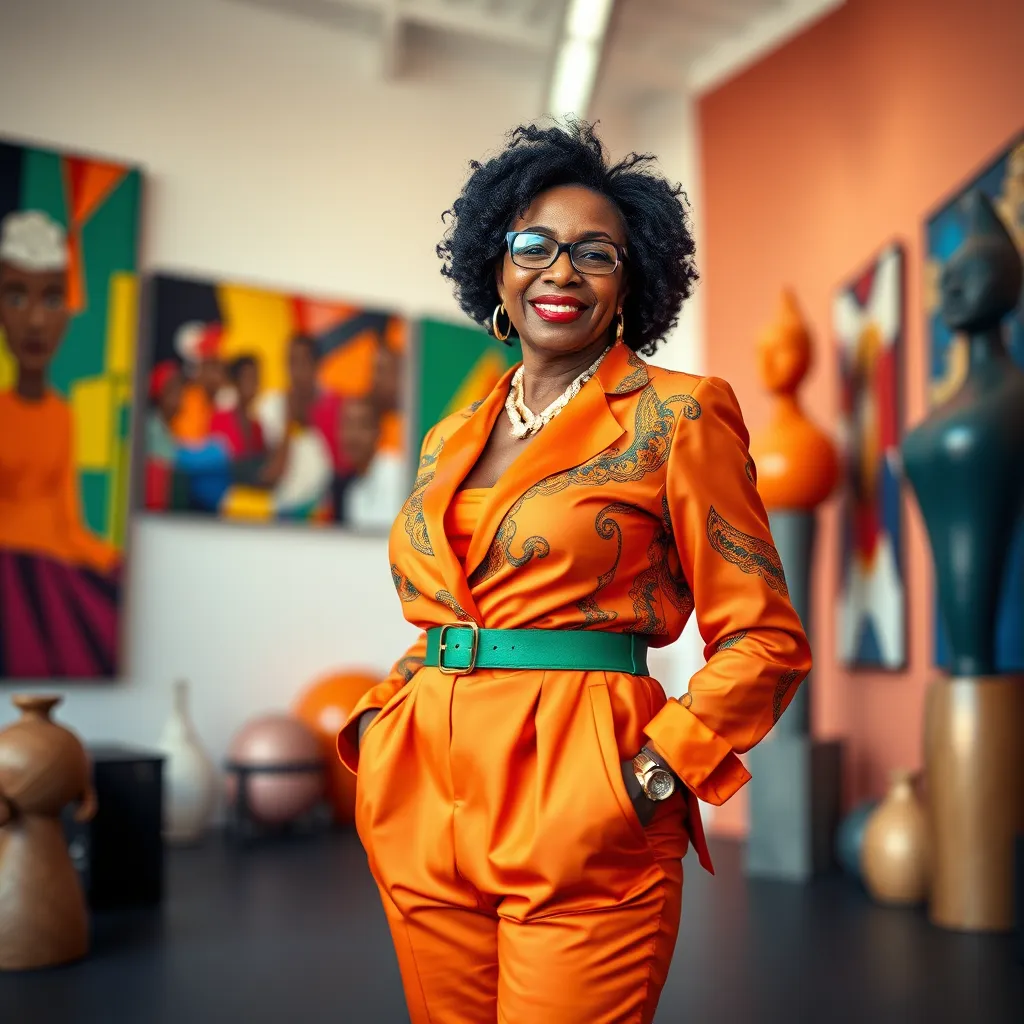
(660, 784)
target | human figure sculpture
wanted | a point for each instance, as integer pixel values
(43, 767)
(797, 467)
(965, 462)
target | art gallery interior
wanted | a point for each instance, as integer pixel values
(226, 214)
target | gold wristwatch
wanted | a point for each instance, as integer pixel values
(657, 782)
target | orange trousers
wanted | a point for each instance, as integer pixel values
(518, 883)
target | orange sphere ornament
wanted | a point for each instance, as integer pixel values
(797, 462)
(325, 707)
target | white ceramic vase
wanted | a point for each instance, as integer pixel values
(190, 778)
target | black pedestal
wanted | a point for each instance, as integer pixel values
(242, 826)
(795, 804)
(119, 854)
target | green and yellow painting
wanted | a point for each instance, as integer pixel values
(459, 365)
(68, 322)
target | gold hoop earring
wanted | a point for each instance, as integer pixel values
(620, 328)
(498, 310)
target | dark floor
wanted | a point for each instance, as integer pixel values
(294, 934)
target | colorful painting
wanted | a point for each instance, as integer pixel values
(68, 316)
(868, 320)
(269, 407)
(1003, 181)
(458, 366)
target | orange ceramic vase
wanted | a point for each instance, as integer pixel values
(797, 463)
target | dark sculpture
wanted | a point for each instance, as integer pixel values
(965, 462)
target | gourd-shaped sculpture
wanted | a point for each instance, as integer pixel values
(797, 469)
(795, 793)
(965, 463)
(43, 767)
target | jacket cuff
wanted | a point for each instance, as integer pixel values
(348, 739)
(704, 761)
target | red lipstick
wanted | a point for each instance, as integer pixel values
(558, 309)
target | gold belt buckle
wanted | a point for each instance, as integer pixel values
(442, 647)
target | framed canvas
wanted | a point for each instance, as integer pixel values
(270, 407)
(458, 365)
(68, 317)
(1003, 181)
(868, 317)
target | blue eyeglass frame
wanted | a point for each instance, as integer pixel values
(620, 252)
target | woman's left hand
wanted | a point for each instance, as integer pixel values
(642, 804)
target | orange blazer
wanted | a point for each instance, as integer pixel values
(633, 508)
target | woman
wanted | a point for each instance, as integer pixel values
(59, 581)
(238, 427)
(373, 494)
(526, 792)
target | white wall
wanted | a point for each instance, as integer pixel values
(272, 155)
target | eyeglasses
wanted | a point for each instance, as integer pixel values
(533, 251)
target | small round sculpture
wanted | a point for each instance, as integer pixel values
(43, 768)
(278, 760)
(894, 859)
(325, 707)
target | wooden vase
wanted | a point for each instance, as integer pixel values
(43, 768)
(895, 855)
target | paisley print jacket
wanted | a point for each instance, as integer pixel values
(632, 510)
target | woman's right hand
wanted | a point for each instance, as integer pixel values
(364, 722)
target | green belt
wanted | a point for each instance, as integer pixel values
(459, 648)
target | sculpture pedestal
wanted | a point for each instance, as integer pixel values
(795, 807)
(974, 763)
(794, 532)
(796, 789)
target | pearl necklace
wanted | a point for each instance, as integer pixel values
(525, 423)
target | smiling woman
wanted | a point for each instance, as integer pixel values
(643, 215)
(526, 792)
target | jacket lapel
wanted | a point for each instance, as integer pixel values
(582, 430)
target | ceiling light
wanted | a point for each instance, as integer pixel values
(578, 57)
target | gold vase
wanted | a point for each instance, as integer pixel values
(895, 854)
(974, 759)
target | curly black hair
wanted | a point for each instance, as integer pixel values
(660, 266)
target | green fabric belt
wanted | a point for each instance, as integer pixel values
(466, 647)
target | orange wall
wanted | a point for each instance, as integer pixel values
(813, 159)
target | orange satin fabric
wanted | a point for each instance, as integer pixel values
(40, 509)
(461, 518)
(492, 806)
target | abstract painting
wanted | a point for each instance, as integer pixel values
(458, 365)
(269, 407)
(868, 322)
(68, 316)
(1003, 181)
